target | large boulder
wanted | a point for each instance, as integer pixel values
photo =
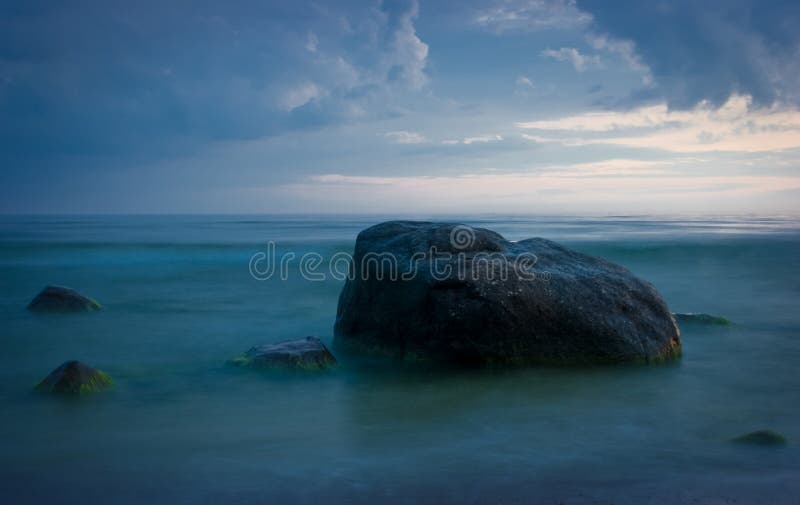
(308, 354)
(61, 299)
(423, 291)
(74, 377)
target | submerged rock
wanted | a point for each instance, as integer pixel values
(74, 377)
(762, 437)
(700, 318)
(61, 299)
(308, 354)
(422, 291)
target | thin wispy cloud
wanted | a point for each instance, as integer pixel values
(596, 188)
(300, 95)
(523, 85)
(626, 50)
(405, 137)
(482, 139)
(311, 42)
(571, 55)
(735, 126)
(611, 167)
(531, 15)
(476, 139)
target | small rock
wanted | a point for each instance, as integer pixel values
(61, 299)
(308, 354)
(762, 437)
(700, 318)
(74, 377)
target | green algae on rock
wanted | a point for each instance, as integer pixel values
(308, 354)
(767, 438)
(74, 377)
(62, 299)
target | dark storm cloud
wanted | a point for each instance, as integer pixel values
(706, 50)
(109, 77)
(101, 76)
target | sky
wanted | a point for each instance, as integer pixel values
(400, 107)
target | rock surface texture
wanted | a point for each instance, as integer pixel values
(61, 299)
(308, 354)
(440, 292)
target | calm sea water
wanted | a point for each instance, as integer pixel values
(181, 427)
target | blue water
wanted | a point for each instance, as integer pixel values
(181, 427)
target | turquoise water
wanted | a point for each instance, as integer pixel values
(180, 427)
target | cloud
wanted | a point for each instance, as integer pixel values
(300, 95)
(349, 179)
(410, 53)
(176, 83)
(686, 51)
(569, 54)
(652, 116)
(365, 82)
(531, 15)
(587, 189)
(406, 137)
(626, 50)
(478, 139)
(735, 126)
(482, 139)
(524, 82)
(312, 43)
(611, 167)
(708, 50)
(523, 85)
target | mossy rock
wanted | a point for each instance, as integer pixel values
(75, 378)
(61, 299)
(308, 354)
(700, 318)
(766, 438)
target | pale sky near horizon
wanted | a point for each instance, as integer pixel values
(507, 106)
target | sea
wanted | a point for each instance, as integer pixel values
(183, 427)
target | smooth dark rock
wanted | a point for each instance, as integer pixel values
(762, 437)
(577, 309)
(61, 299)
(308, 354)
(74, 377)
(699, 318)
